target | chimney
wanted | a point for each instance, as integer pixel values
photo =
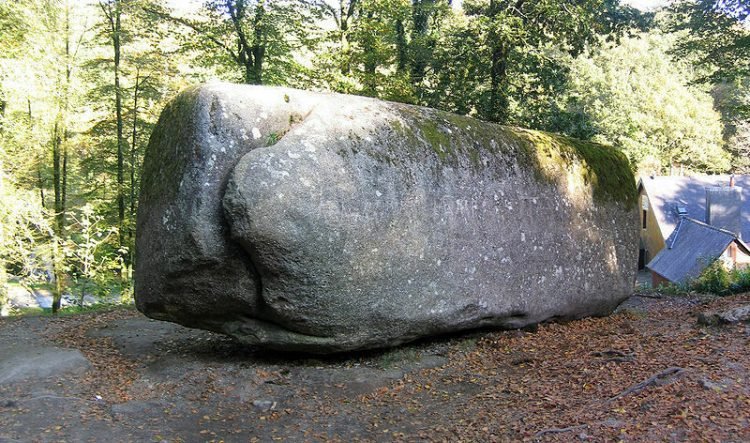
(724, 208)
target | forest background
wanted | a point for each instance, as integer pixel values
(82, 84)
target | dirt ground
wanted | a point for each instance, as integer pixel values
(647, 373)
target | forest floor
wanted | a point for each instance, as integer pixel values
(648, 373)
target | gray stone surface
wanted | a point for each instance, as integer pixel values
(730, 316)
(324, 223)
(24, 362)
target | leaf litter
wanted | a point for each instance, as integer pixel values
(647, 373)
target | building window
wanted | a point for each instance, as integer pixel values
(645, 215)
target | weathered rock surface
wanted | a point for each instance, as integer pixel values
(23, 362)
(735, 315)
(323, 222)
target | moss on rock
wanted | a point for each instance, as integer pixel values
(604, 168)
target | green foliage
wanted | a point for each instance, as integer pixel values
(634, 98)
(738, 144)
(249, 41)
(513, 32)
(717, 279)
(715, 38)
(15, 25)
(89, 262)
(732, 100)
(64, 311)
(718, 41)
(22, 227)
(616, 20)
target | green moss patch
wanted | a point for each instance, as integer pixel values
(549, 156)
(163, 164)
(604, 168)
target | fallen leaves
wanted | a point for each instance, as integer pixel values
(651, 374)
(112, 373)
(634, 376)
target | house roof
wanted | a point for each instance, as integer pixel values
(690, 192)
(691, 247)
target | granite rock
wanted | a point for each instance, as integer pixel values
(324, 223)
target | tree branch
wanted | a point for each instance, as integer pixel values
(237, 14)
(196, 28)
(544, 432)
(654, 379)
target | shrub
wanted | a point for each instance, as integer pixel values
(716, 279)
(740, 280)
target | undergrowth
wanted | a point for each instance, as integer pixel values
(715, 279)
(65, 310)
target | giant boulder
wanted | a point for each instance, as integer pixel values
(323, 222)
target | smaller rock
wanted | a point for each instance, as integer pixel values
(730, 316)
(711, 385)
(264, 405)
(718, 386)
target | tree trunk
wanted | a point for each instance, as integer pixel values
(40, 180)
(60, 170)
(4, 308)
(345, 14)
(259, 45)
(370, 62)
(113, 13)
(57, 174)
(66, 109)
(250, 55)
(120, 138)
(133, 165)
(421, 10)
(498, 106)
(59, 218)
(40, 183)
(402, 58)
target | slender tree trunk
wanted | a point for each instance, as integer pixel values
(4, 308)
(60, 169)
(40, 183)
(421, 11)
(402, 57)
(40, 180)
(498, 111)
(259, 45)
(345, 14)
(498, 106)
(57, 141)
(59, 217)
(120, 138)
(66, 110)
(133, 164)
(113, 13)
(370, 62)
(59, 183)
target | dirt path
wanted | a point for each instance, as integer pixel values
(118, 376)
